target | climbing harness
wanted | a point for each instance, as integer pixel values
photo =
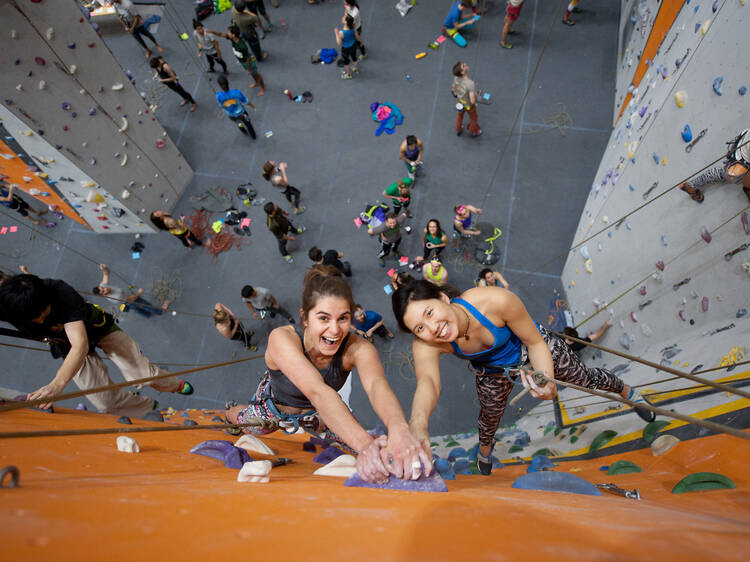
(615, 489)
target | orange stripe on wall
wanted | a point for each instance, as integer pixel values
(662, 24)
(16, 169)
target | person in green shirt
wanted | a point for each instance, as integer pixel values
(244, 56)
(400, 194)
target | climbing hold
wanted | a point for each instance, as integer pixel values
(74, 115)
(745, 222)
(540, 463)
(81, 406)
(252, 443)
(551, 481)
(650, 431)
(160, 143)
(515, 449)
(40, 61)
(92, 111)
(680, 98)
(715, 6)
(704, 27)
(625, 341)
(623, 467)
(602, 439)
(308, 447)
(664, 161)
(682, 315)
(642, 290)
(545, 451)
(431, 483)
(633, 317)
(664, 240)
(462, 466)
(255, 471)
(585, 252)
(327, 455)
(645, 330)
(741, 312)
(124, 125)
(125, 420)
(71, 45)
(42, 85)
(587, 266)
(124, 160)
(705, 303)
(72, 69)
(687, 133)
(233, 457)
(655, 156)
(457, 453)
(662, 444)
(343, 466)
(66, 106)
(127, 444)
(117, 86)
(125, 194)
(186, 422)
(700, 481)
(717, 85)
(660, 265)
(742, 91)
(50, 34)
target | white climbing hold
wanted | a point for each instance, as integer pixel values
(13, 34)
(117, 86)
(252, 443)
(42, 84)
(605, 219)
(50, 34)
(19, 87)
(164, 134)
(124, 126)
(127, 444)
(124, 160)
(72, 69)
(342, 466)
(84, 144)
(680, 98)
(255, 471)
(82, 92)
(704, 27)
(663, 443)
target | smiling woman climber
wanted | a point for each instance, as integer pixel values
(307, 368)
(491, 328)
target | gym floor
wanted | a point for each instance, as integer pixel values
(530, 171)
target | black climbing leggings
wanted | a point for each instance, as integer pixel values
(360, 44)
(248, 129)
(177, 87)
(292, 195)
(213, 59)
(188, 235)
(254, 44)
(493, 392)
(141, 30)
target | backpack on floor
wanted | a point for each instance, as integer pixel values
(374, 214)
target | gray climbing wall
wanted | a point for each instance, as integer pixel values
(76, 114)
(635, 219)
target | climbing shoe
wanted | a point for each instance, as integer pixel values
(185, 388)
(289, 259)
(646, 415)
(345, 76)
(484, 464)
(506, 45)
(301, 229)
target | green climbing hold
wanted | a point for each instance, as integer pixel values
(703, 481)
(602, 439)
(623, 467)
(514, 449)
(452, 443)
(558, 430)
(650, 431)
(546, 452)
(548, 428)
(573, 438)
(433, 444)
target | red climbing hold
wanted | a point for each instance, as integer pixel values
(65, 127)
(92, 45)
(705, 304)
(682, 315)
(706, 235)
(642, 290)
(40, 61)
(660, 265)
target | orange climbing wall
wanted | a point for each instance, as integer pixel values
(79, 495)
(18, 173)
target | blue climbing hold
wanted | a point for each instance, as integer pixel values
(687, 133)
(462, 466)
(717, 85)
(656, 158)
(458, 452)
(715, 6)
(551, 481)
(664, 240)
(604, 468)
(631, 187)
(742, 91)
(540, 463)
(697, 27)
(442, 465)
(625, 341)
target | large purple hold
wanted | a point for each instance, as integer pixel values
(327, 455)
(225, 451)
(309, 447)
(431, 483)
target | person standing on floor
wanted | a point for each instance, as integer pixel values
(246, 21)
(279, 225)
(411, 153)
(352, 9)
(133, 23)
(332, 258)
(209, 45)
(389, 234)
(462, 222)
(124, 300)
(259, 9)
(276, 174)
(244, 56)
(229, 326)
(233, 103)
(435, 272)
(166, 76)
(53, 309)
(347, 39)
(400, 194)
(165, 221)
(466, 93)
(261, 302)
(512, 11)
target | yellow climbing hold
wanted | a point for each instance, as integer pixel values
(705, 26)
(420, 55)
(572, 283)
(587, 265)
(664, 161)
(680, 98)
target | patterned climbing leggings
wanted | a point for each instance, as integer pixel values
(259, 407)
(717, 174)
(493, 392)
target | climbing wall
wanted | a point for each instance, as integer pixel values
(672, 274)
(78, 134)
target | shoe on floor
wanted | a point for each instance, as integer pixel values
(345, 76)
(568, 22)
(479, 134)
(646, 415)
(362, 57)
(185, 388)
(301, 229)
(299, 210)
(458, 133)
(506, 45)
(289, 259)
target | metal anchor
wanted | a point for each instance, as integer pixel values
(690, 146)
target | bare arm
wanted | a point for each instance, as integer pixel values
(10, 189)
(105, 274)
(600, 332)
(502, 280)
(79, 348)
(427, 368)
(421, 150)
(337, 34)
(402, 152)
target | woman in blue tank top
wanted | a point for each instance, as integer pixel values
(306, 369)
(347, 39)
(490, 327)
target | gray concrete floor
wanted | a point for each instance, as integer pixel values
(532, 184)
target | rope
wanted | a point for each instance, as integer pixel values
(256, 422)
(145, 380)
(661, 411)
(668, 262)
(659, 367)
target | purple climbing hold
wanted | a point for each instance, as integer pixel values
(231, 456)
(705, 304)
(643, 110)
(327, 455)
(81, 406)
(717, 85)
(65, 106)
(663, 71)
(74, 115)
(308, 447)
(687, 133)
(697, 27)
(71, 45)
(706, 235)
(320, 442)
(660, 265)
(431, 483)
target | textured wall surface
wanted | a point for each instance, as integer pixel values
(61, 79)
(636, 216)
